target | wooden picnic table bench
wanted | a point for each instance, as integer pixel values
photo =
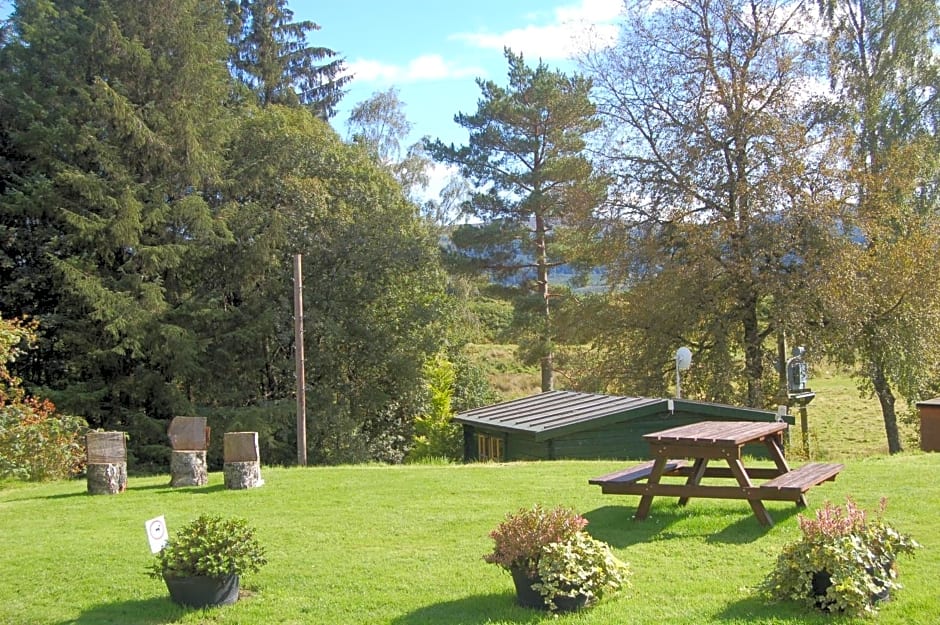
(717, 440)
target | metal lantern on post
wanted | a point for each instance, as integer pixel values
(798, 392)
(683, 362)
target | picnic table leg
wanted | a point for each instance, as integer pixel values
(775, 446)
(737, 468)
(698, 471)
(643, 510)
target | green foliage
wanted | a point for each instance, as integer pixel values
(36, 443)
(519, 539)
(580, 567)
(114, 114)
(210, 546)
(374, 301)
(709, 241)
(493, 318)
(435, 433)
(525, 150)
(271, 55)
(856, 552)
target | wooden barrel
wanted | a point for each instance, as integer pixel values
(106, 456)
(242, 468)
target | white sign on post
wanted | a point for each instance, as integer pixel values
(156, 533)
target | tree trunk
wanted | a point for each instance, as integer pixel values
(241, 475)
(753, 353)
(547, 362)
(886, 399)
(108, 478)
(188, 468)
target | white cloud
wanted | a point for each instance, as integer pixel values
(562, 34)
(425, 67)
(574, 29)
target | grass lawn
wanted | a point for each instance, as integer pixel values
(404, 546)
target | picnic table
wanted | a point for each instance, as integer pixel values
(704, 442)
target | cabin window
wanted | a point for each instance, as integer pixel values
(489, 448)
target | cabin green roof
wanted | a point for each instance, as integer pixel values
(555, 413)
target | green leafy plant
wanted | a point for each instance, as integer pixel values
(580, 567)
(845, 561)
(210, 546)
(551, 550)
(36, 442)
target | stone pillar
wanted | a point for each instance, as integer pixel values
(189, 438)
(106, 455)
(242, 467)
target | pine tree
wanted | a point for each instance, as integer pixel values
(113, 110)
(271, 56)
(525, 157)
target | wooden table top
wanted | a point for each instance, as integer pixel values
(718, 432)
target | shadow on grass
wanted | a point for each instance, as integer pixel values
(153, 611)
(757, 609)
(747, 529)
(161, 488)
(616, 526)
(472, 611)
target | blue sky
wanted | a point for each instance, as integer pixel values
(432, 52)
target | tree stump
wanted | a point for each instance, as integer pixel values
(239, 475)
(107, 478)
(106, 456)
(242, 468)
(188, 468)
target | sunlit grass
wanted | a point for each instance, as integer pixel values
(404, 546)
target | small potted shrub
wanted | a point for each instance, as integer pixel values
(845, 560)
(202, 564)
(554, 564)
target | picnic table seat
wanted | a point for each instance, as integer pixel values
(631, 475)
(793, 484)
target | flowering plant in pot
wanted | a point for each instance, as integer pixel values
(553, 562)
(202, 564)
(845, 560)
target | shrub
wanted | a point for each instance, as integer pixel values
(845, 560)
(210, 546)
(38, 444)
(581, 568)
(519, 539)
(35, 442)
(435, 433)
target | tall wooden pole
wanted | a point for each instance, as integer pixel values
(299, 363)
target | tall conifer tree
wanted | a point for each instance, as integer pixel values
(525, 157)
(113, 112)
(271, 56)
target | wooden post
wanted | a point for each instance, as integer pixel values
(106, 454)
(804, 426)
(242, 468)
(299, 362)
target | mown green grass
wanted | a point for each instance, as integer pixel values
(404, 546)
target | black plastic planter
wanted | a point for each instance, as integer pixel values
(202, 592)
